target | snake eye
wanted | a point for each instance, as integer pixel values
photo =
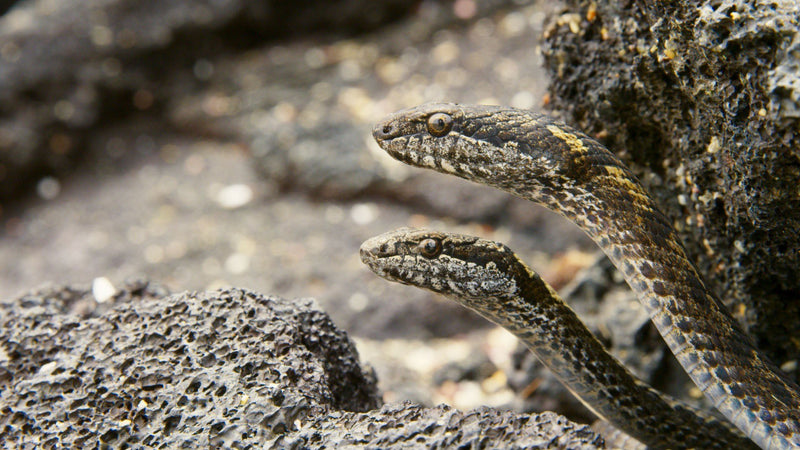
(440, 124)
(430, 248)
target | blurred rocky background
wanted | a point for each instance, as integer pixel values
(217, 144)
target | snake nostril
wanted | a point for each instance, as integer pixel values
(384, 131)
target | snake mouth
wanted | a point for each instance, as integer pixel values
(392, 138)
(367, 254)
(373, 249)
(373, 257)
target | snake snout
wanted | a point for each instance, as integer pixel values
(366, 253)
(373, 249)
(385, 130)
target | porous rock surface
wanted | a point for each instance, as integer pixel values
(703, 100)
(407, 425)
(230, 368)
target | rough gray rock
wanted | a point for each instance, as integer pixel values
(407, 425)
(230, 368)
(188, 369)
(702, 99)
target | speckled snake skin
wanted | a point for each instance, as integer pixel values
(537, 158)
(490, 279)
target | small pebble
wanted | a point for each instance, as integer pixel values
(237, 263)
(363, 213)
(358, 302)
(234, 196)
(102, 289)
(48, 188)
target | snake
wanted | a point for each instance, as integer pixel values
(540, 159)
(490, 279)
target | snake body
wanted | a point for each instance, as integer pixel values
(539, 159)
(489, 278)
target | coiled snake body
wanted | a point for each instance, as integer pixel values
(539, 159)
(490, 279)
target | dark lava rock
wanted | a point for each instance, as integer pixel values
(230, 368)
(407, 425)
(220, 368)
(703, 100)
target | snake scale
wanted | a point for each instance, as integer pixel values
(490, 279)
(539, 159)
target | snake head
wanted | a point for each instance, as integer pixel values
(449, 264)
(476, 142)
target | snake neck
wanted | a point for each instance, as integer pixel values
(535, 314)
